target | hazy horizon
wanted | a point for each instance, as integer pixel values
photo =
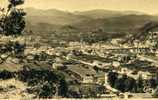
(145, 6)
(85, 10)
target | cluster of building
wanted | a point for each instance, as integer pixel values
(83, 63)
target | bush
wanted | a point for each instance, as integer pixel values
(155, 94)
(6, 75)
(44, 83)
(112, 77)
(123, 83)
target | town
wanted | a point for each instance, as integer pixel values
(119, 70)
(31, 68)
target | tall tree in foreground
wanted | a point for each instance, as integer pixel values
(12, 22)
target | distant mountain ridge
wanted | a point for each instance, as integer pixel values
(100, 13)
(52, 16)
(126, 23)
(109, 21)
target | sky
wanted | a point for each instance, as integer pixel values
(147, 6)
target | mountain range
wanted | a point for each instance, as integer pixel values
(51, 20)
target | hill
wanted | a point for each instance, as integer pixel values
(126, 23)
(100, 13)
(52, 16)
(66, 25)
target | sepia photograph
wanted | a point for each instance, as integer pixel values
(78, 49)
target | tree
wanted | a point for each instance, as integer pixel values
(119, 84)
(140, 84)
(16, 2)
(44, 83)
(130, 85)
(13, 21)
(123, 83)
(112, 77)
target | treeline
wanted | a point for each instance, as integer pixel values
(127, 84)
(49, 83)
(42, 83)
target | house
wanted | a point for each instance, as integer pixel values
(100, 64)
(116, 64)
(70, 56)
(88, 79)
(39, 66)
(145, 75)
(84, 73)
(58, 66)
